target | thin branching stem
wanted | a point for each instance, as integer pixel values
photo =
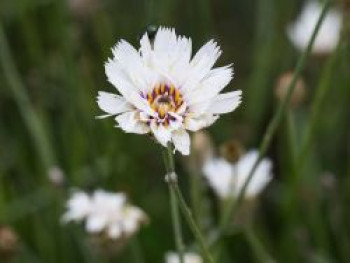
(175, 215)
(173, 184)
(316, 109)
(275, 121)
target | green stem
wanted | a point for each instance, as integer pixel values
(196, 190)
(21, 97)
(261, 253)
(173, 184)
(177, 224)
(136, 251)
(175, 216)
(291, 137)
(192, 224)
(274, 123)
(316, 108)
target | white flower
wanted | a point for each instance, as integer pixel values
(228, 179)
(105, 212)
(328, 36)
(188, 258)
(163, 91)
(78, 207)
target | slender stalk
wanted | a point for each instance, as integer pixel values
(291, 138)
(316, 109)
(314, 212)
(173, 184)
(31, 119)
(274, 123)
(176, 220)
(192, 224)
(196, 190)
(261, 253)
(136, 251)
(177, 224)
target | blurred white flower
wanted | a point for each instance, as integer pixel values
(227, 179)
(188, 258)
(78, 207)
(104, 212)
(163, 91)
(328, 36)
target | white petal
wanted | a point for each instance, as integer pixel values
(164, 41)
(194, 124)
(171, 55)
(106, 200)
(199, 108)
(131, 62)
(145, 48)
(119, 79)
(112, 103)
(200, 66)
(199, 122)
(181, 140)
(126, 70)
(209, 87)
(129, 123)
(114, 231)
(261, 177)
(181, 62)
(224, 103)
(141, 103)
(207, 54)
(130, 226)
(210, 119)
(219, 174)
(161, 134)
(177, 123)
(79, 206)
(96, 223)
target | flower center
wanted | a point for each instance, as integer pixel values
(166, 101)
(164, 98)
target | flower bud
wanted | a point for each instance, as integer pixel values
(299, 92)
(202, 146)
(56, 176)
(151, 31)
(82, 8)
(8, 243)
(231, 151)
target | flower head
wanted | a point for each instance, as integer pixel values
(104, 212)
(327, 38)
(188, 258)
(228, 179)
(165, 91)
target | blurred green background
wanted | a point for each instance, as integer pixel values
(52, 65)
